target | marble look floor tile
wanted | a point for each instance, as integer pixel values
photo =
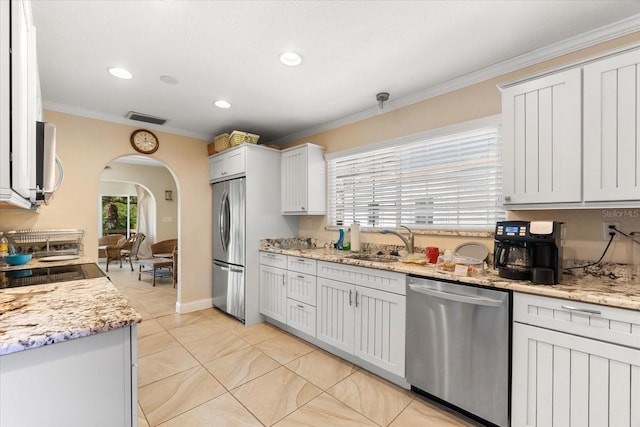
(373, 397)
(164, 364)
(257, 333)
(223, 411)
(199, 331)
(176, 320)
(284, 348)
(178, 393)
(321, 368)
(215, 346)
(275, 395)
(150, 344)
(420, 413)
(149, 327)
(227, 322)
(241, 366)
(326, 410)
(142, 421)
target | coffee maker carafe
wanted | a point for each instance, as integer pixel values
(529, 250)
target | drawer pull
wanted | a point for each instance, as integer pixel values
(300, 277)
(299, 305)
(582, 310)
(302, 260)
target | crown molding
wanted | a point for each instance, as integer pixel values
(91, 114)
(588, 39)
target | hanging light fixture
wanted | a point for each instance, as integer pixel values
(382, 97)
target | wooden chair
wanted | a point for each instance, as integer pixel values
(131, 248)
(110, 240)
(164, 248)
(114, 252)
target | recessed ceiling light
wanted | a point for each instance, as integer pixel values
(290, 58)
(170, 80)
(120, 73)
(221, 103)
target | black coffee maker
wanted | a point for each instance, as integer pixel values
(527, 250)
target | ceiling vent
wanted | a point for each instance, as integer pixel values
(132, 115)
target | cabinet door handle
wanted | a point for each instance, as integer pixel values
(302, 208)
(582, 310)
(284, 281)
(300, 277)
(300, 306)
(350, 298)
(356, 299)
(507, 198)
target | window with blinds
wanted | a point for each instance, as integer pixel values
(445, 182)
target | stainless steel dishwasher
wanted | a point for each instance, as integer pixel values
(458, 346)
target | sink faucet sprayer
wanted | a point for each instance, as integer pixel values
(408, 243)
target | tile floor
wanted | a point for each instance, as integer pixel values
(207, 369)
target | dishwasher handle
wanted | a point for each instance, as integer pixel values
(468, 299)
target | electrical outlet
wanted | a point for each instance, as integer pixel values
(606, 230)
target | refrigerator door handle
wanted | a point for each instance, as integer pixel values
(225, 222)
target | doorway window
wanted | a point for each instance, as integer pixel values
(119, 215)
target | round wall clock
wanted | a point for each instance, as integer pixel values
(144, 141)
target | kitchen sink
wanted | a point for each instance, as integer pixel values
(374, 258)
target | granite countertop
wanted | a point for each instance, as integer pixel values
(34, 316)
(590, 288)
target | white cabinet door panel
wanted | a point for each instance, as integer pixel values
(542, 139)
(562, 379)
(380, 329)
(273, 293)
(611, 128)
(294, 181)
(301, 316)
(301, 287)
(335, 308)
(228, 164)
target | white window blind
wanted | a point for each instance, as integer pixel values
(445, 182)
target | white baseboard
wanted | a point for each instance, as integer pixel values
(192, 306)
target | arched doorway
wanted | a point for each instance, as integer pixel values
(144, 194)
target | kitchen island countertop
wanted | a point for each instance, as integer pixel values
(34, 316)
(603, 290)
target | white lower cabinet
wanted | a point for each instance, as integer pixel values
(359, 311)
(586, 375)
(273, 292)
(365, 321)
(88, 381)
(289, 295)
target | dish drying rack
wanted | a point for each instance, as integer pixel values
(41, 243)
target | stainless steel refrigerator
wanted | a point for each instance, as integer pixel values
(229, 213)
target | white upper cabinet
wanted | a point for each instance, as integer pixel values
(541, 130)
(303, 181)
(228, 164)
(612, 128)
(19, 104)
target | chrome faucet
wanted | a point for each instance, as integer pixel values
(408, 243)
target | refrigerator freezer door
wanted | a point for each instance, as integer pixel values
(229, 221)
(228, 289)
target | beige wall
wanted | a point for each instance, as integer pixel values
(156, 180)
(584, 231)
(85, 146)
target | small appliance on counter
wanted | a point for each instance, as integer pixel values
(527, 250)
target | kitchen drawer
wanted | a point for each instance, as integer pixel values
(614, 325)
(301, 287)
(302, 265)
(383, 280)
(301, 317)
(273, 260)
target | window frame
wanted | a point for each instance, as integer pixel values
(427, 220)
